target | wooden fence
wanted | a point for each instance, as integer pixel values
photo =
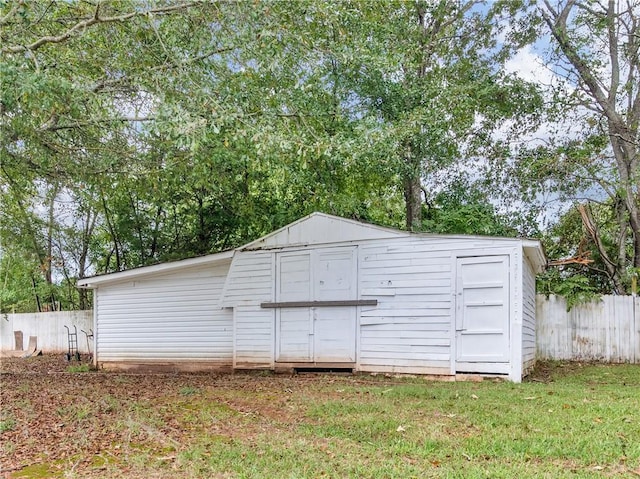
(606, 330)
(47, 327)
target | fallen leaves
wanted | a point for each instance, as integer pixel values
(74, 421)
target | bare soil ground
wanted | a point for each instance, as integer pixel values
(73, 421)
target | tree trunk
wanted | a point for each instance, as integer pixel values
(87, 234)
(634, 222)
(47, 266)
(138, 226)
(413, 202)
(112, 231)
(613, 269)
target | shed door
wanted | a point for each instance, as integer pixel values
(482, 314)
(320, 334)
(335, 326)
(294, 324)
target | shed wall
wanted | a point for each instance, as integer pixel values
(410, 330)
(251, 281)
(170, 317)
(412, 278)
(528, 316)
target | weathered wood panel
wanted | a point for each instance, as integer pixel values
(319, 228)
(250, 280)
(410, 329)
(606, 330)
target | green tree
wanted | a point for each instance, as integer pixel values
(593, 156)
(462, 208)
(173, 129)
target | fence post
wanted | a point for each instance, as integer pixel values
(635, 343)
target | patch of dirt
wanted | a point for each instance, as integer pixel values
(38, 364)
(93, 424)
(547, 371)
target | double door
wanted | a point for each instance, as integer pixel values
(316, 333)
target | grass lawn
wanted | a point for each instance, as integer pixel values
(570, 420)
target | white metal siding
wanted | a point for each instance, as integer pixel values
(174, 316)
(528, 315)
(253, 337)
(250, 282)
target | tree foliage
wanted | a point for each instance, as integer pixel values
(137, 132)
(591, 156)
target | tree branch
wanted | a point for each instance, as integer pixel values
(592, 11)
(81, 26)
(558, 26)
(4, 20)
(592, 231)
(55, 127)
(172, 66)
(613, 52)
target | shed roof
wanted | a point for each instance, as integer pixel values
(94, 281)
(314, 229)
(534, 251)
(321, 228)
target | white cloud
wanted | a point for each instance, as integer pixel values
(529, 66)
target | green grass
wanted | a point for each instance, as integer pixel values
(7, 424)
(188, 390)
(585, 423)
(573, 421)
(79, 368)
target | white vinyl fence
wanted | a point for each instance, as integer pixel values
(606, 330)
(47, 327)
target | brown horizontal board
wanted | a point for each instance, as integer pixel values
(313, 304)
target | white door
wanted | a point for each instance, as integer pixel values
(335, 326)
(316, 333)
(482, 314)
(294, 324)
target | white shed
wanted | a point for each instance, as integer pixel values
(327, 292)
